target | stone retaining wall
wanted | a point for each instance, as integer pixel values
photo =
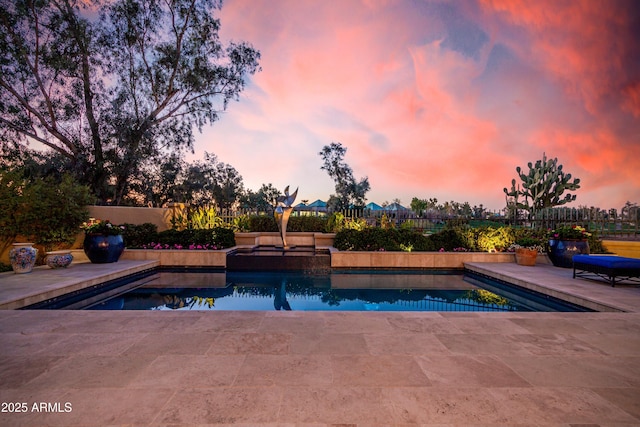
(442, 260)
(179, 258)
(365, 260)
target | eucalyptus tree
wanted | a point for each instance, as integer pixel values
(211, 182)
(349, 192)
(159, 183)
(228, 186)
(263, 200)
(112, 85)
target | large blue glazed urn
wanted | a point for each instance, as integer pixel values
(102, 249)
(561, 251)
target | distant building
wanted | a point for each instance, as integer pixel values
(315, 208)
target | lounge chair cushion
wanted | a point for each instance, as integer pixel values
(608, 261)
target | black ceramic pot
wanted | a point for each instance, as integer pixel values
(101, 249)
(561, 252)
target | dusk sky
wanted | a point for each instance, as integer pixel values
(434, 98)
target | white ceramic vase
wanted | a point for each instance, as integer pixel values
(23, 257)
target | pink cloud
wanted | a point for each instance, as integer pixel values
(586, 45)
(422, 118)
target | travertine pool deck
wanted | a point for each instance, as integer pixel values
(322, 368)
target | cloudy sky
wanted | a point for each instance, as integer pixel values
(434, 98)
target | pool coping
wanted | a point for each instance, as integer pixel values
(559, 283)
(21, 290)
(43, 283)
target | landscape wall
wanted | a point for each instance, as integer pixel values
(161, 217)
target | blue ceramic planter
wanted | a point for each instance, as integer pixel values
(561, 252)
(101, 249)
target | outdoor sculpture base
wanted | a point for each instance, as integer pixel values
(270, 258)
(285, 248)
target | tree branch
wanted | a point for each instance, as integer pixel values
(36, 137)
(25, 104)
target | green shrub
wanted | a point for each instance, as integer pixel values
(346, 240)
(483, 239)
(369, 239)
(46, 211)
(11, 185)
(376, 239)
(527, 242)
(266, 223)
(416, 240)
(386, 222)
(137, 235)
(197, 217)
(492, 239)
(337, 221)
(391, 239)
(262, 223)
(204, 217)
(448, 239)
(241, 223)
(225, 238)
(486, 238)
(313, 224)
(220, 237)
(467, 237)
(596, 246)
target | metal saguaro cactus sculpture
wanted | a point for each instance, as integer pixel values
(282, 213)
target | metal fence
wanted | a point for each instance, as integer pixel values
(605, 223)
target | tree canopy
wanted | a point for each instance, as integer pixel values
(349, 192)
(114, 86)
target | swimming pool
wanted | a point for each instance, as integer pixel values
(287, 290)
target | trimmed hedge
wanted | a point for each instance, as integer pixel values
(219, 236)
(262, 223)
(307, 224)
(376, 239)
(391, 239)
(265, 223)
(136, 236)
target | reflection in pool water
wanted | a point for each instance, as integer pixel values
(350, 291)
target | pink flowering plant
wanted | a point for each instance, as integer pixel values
(177, 246)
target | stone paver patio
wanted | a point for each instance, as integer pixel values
(93, 368)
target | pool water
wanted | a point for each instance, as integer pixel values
(343, 290)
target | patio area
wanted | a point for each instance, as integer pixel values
(93, 368)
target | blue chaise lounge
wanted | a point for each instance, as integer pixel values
(608, 267)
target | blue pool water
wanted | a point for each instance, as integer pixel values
(343, 290)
